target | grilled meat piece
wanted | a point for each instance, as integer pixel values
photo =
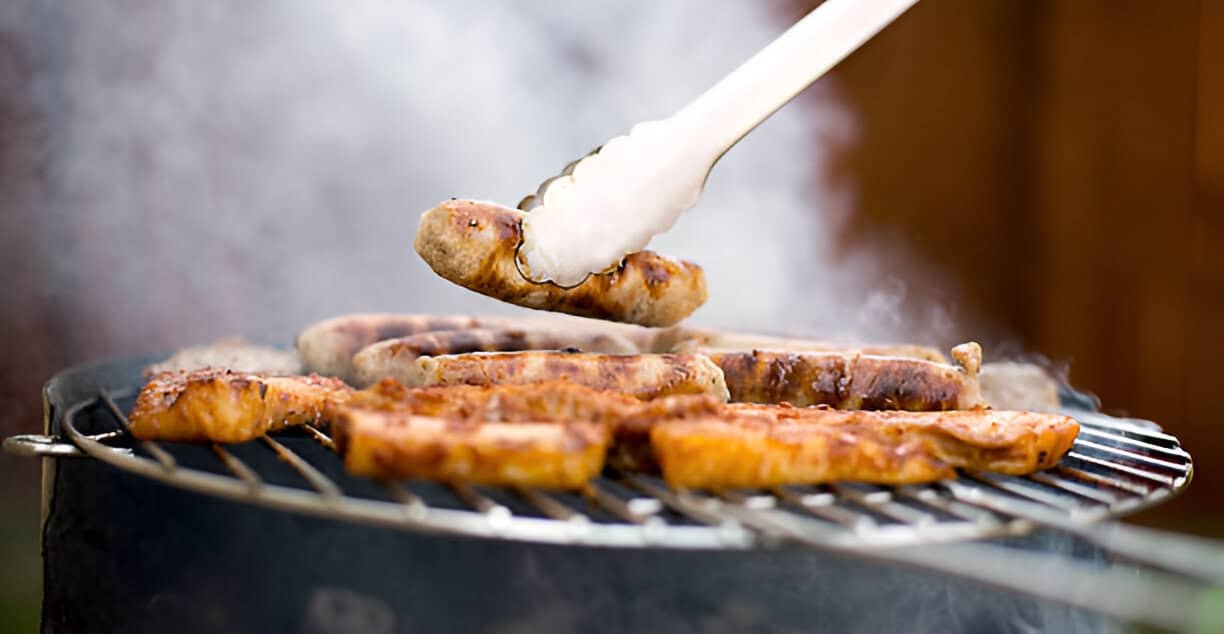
(475, 245)
(396, 358)
(554, 434)
(852, 380)
(754, 446)
(556, 400)
(219, 405)
(644, 376)
(392, 445)
(327, 347)
(702, 341)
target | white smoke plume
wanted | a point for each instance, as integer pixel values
(246, 168)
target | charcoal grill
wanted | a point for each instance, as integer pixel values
(628, 530)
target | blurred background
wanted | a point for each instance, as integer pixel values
(1045, 177)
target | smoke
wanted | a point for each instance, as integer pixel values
(246, 168)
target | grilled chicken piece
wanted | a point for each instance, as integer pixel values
(396, 358)
(552, 435)
(546, 455)
(475, 245)
(327, 347)
(853, 380)
(755, 446)
(643, 376)
(219, 405)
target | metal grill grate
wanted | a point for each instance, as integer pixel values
(1116, 466)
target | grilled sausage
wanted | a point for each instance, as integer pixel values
(755, 447)
(475, 245)
(707, 341)
(327, 347)
(644, 376)
(217, 405)
(396, 358)
(852, 380)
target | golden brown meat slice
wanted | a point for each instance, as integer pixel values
(475, 245)
(716, 453)
(393, 445)
(644, 376)
(396, 358)
(327, 347)
(754, 446)
(852, 380)
(217, 405)
(558, 400)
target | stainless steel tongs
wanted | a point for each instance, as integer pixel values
(635, 186)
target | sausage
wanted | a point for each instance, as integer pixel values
(396, 358)
(706, 341)
(852, 380)
(475, 245)
(327, 347)
(644, 376)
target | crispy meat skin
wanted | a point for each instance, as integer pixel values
(392, 445)
(396, 358)
(761, 446)
(847, 380)
(475, 245)
(643, 376)
(327, 347)
(218, 405)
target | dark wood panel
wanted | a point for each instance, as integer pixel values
(1064, 163)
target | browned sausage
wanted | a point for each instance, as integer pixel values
(396, 358)
(851, 380)
(327, 347)
(475, 245)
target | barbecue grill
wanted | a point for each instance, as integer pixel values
(271, 535)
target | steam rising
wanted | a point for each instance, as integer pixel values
(246, 168)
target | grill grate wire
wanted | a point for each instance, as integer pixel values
(1116, 466)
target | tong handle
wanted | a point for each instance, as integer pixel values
(733, 107)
